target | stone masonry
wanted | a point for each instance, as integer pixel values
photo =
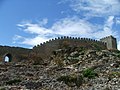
(110, 42)
(44, 50)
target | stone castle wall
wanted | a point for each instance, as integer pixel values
(45, 49)
(16, 53)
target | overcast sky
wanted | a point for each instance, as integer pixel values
(26, 23)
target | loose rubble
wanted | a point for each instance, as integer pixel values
(66, 69)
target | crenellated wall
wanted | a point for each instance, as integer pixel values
(46, 48)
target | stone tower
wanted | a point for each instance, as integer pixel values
(110, 42)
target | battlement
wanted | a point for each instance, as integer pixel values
(78, 39)
(110, 41)
(45, 49)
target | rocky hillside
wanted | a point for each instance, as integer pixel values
(70, 68)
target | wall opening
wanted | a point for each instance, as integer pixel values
(8, 58)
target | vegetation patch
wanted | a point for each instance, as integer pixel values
(89, 73)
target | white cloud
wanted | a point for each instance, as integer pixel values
(108, 26)
(34, 41)
(96, 7)
(72, 26)
(118, 20)
(118, 46)
(35, 28)
(109, 22)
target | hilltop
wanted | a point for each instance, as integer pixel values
(68, 68)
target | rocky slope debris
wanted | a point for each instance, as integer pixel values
(72, 68)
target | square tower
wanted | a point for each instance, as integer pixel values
(110, 42)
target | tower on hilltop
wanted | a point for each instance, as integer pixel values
(111, 42)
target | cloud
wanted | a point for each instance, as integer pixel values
(108, 26)
(109, 22)
(35, 28)
(96, 7)
(73, 26)
(118, 20)
(34, 41)
(118, 45)
(70, 26)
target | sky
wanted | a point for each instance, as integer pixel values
(26, 23)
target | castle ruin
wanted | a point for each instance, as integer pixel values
(44, 50)
(110, 42)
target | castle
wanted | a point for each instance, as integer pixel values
(44, 50)
(110, 42)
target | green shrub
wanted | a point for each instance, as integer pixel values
(14, 81)
(89, 73)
